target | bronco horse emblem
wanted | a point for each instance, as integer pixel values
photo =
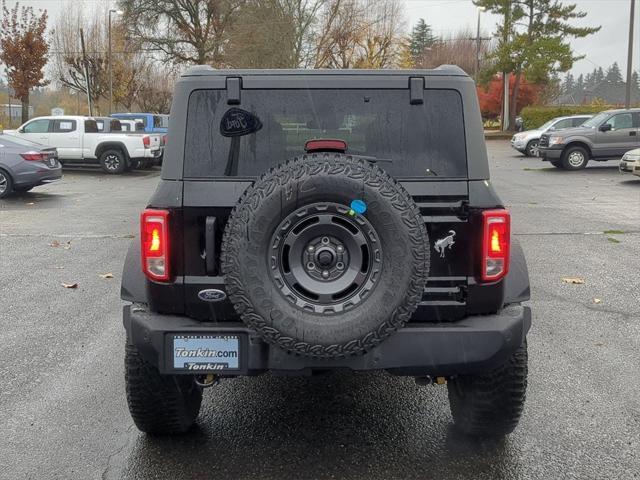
(444, 243)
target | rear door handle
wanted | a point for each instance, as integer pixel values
(633, 134)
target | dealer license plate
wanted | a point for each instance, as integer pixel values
(206, 353)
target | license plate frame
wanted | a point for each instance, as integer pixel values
(204, 353)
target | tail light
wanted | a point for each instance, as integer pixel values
(496, 240)
(35, 156)
(146, 140)
(154, 235)
(164, 140)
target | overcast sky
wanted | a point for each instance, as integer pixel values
(449, 16)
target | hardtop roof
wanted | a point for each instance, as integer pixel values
(206, 70)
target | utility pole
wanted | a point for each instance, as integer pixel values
(480, 10)
(86, 73)
(117, 12)
(627, 98)
(505, 75)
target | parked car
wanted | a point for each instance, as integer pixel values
(606, 136)
(25, 164)
(527, 142)
(630, 162)
(79, 142)
(153, 123)
(326, 220)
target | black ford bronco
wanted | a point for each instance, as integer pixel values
(315, 220)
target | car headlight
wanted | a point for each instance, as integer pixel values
(518, 137)
(631, 157)
(556, 140)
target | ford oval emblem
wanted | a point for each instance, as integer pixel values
(211, 295)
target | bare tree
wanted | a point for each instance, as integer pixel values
(459, 49)
(156, 92)
(129, 64)
(185, 31)
(359, 34)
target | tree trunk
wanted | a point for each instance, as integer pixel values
(514, 101)
(25, 108)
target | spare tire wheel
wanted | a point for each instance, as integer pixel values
(315, 277)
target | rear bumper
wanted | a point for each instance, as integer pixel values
(471, 345)
(34, 175)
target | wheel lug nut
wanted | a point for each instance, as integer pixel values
(339, 265)
(340, 248)
(311, 265)
(311, 248)
(325, 274)
(325, 240)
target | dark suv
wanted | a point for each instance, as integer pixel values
(316, 220)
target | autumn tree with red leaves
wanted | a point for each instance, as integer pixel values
(490, 96)
(24, 50)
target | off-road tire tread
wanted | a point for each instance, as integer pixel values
(159, 404)
(491, 404)
(304, 166)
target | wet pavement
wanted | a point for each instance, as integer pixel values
(62, 398)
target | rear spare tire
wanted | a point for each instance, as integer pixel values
(312, 272)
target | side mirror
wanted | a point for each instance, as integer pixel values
(21, 130)
(605, 127)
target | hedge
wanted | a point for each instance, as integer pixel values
(533, 117)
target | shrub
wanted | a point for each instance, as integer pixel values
(533, 117)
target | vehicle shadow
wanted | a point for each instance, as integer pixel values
(333, 426)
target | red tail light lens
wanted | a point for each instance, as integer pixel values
(154, 235)
(146, 140)
(35, 156)
(164, 140)
(496, 241)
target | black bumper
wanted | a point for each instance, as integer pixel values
(471, 345)
(550, 153)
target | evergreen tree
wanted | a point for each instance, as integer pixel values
(421, 38)
(635, 82)
(589, 80)
(535, 39)
(569, 84)
(613, 74)
(579, 84)
(598, 77)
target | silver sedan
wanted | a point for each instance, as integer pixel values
(25, 164)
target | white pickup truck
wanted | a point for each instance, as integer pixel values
(78, 141)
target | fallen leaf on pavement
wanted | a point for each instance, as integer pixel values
(54, 243)
(599, 344)
(597, 300)
(70, 285)
(573, 280)
(59, 267)
(67, 246)
(106, 275)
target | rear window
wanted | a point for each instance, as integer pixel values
(160, 121)
(414, 139)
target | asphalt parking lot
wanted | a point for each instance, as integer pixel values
(62, 397)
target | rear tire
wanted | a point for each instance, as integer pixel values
(113, 162)
(490, 404)
(6, 184)
(159, 404)
(575, 158)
